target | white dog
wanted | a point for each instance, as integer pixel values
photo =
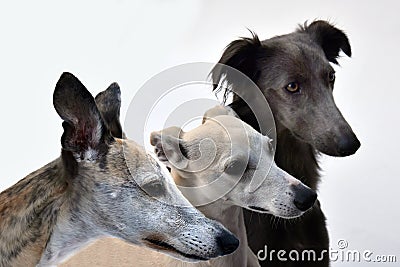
(224, 165)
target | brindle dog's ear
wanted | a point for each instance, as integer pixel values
(109, 104)
(242, 55)
(331, 39)
(84, 132)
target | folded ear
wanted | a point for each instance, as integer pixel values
(169, 147)
(242, 55)
(109, 104)
(84, 132)
(218, 110)
(331, 39)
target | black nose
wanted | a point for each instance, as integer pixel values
(348, 144)
(227, 243)
(304, 197)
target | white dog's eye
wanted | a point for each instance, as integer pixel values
(235, 167)
(271, 144)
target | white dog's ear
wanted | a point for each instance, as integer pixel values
(169, 147)
(217, 111)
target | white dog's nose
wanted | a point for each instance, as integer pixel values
(304, 197)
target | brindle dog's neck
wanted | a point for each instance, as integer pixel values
(292, 155)
(28, 213)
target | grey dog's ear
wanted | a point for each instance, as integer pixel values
(84, 131)
(169, 147)
(240, 55)
(331, 39)
(109, 104)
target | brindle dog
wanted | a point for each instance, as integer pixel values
(95, 189)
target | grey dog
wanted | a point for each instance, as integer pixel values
(294, 73)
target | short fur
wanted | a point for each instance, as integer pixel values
(95, 190)
(237, 155)
(308, 121)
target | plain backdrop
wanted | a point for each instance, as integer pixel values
(130, 41)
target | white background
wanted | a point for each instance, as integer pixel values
(130, 41)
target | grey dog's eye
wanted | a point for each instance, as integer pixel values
(293, 87)
(331, 76)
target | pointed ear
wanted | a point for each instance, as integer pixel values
(331, 39)
(84, 131)
(219, 110)
(169, 147)
(109, 104)
(242, 55)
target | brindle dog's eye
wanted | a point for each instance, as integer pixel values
(154, 188)
(331, 76)
(293, 87)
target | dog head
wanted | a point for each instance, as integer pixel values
(294, 73)
(225, 158)
(118, 189)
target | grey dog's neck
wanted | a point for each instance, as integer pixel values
(298, 158)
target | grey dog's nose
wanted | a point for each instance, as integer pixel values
(348, 144)
(304, 197)
(227, 243)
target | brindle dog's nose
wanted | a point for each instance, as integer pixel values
(304, 197)
(227, 243)
(348, 144)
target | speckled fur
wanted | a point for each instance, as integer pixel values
(94, 189)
